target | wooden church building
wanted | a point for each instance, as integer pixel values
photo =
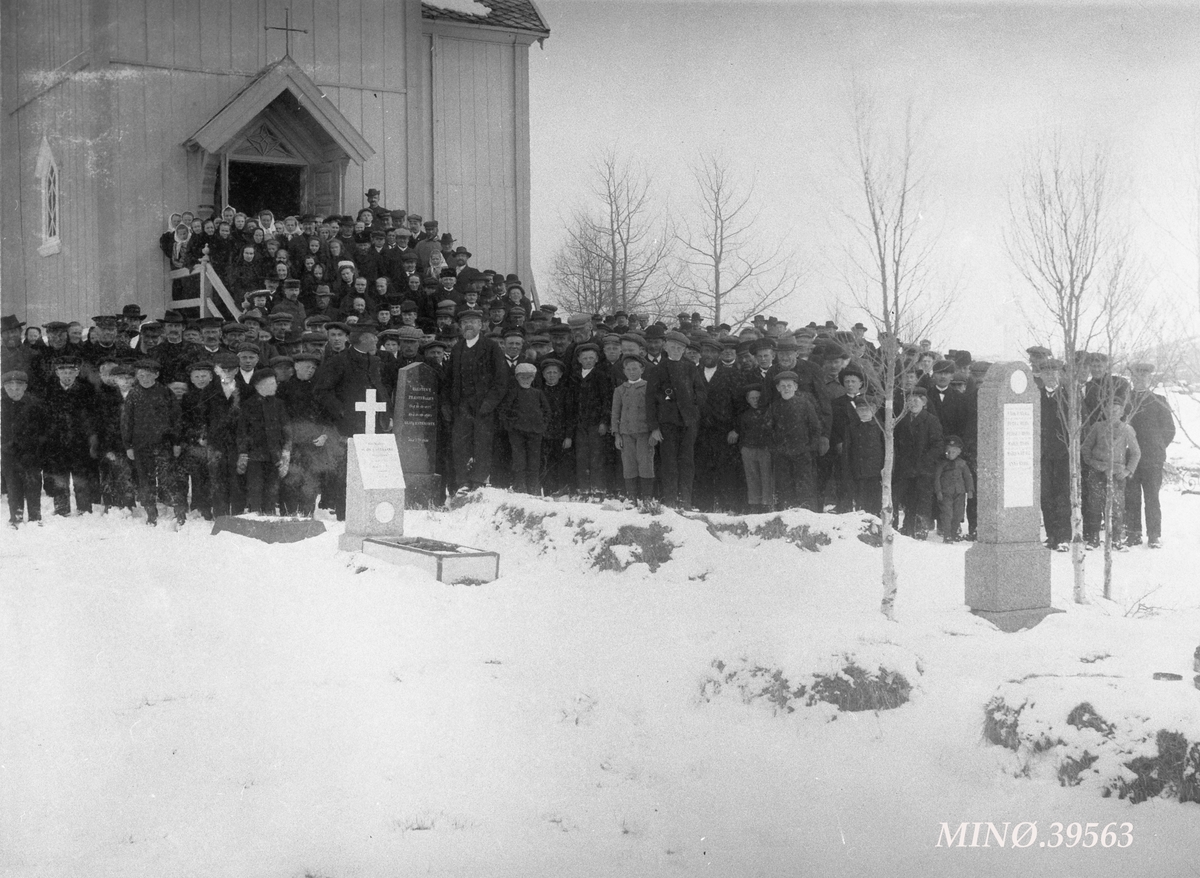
(118, 113)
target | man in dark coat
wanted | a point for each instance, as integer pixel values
(674, 418)
(1056, 471)
(717, 463)
(22, 432)
(476, 382)
(918, 448)
(1154, 425)
(151, 431)
(342, 382)
(72, 440)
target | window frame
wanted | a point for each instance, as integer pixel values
(50, 198)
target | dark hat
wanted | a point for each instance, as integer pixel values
(656, 330)
(252, 314)
(919, 391)
(261, 375)
(978, 367)
(345, 220)
(233, 328)
(859, 326)
(363, 237)
(322, 290)
(559, 329)
(462, 251)
(447, 239)
(281, 317)
(363, 327)
(753, 385)
(149, 364)
(248, 347)
(9, 322)
(378, 233)
(677, 336)
(291, 283)
(631, 336)
(151, 327)
(512, 280)
(762, 344)
(552, 361)
(500, 305)
(282, 360)
(943, 366)
(314, 337)
(306, 357)
(408, 332)
(610, 338)
(587, 346)
(578, 321)
(637, 358)
(429, 224)
(211, 321)
(962, 359)
(448, 272)
(549, 309)
(55, 326)
(1038, 351)
(372, 193)
(408, 305)
(470, 312)
(759, 318)
(132, 312)
(955, 441)
(852, 370)
(710, 342)
(434, 343)
(172, 317)
(787, 343)
(14, 375)
(397, 214)
(787, 374)
(203, 365)
(514, 330)
(105, 320)
(537, 339)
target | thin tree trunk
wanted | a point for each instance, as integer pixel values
(1073, 451)
(888, 606)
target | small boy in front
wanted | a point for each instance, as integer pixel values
(525, 415)
(151, 432)
(795, 435)
(953, 486)
(754, 439)
(862, 449)
(22, 426)
(631, 432)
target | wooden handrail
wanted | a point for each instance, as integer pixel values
(208, 279)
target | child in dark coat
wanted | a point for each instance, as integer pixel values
(264, 444)
(151, 432)
(918, 447)
(22, 426)
(556, 441)
(795, 434)
(862, 450)
(525, 414)
(754, 439)
(953, 486)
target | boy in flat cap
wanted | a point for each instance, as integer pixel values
(72, 440)
(631, 431)
(524, 415)
(918, 448)
(22, 432)
(150, 431)
(264, 444)
(795, 441)
(953, 486)
(588, 407)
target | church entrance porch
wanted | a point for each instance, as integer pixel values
(257, 186)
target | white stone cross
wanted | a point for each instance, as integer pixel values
(369, 407)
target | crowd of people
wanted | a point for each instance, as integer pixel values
(221, 416)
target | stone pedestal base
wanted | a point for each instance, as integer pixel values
(269, 530)
(1007, 577)
(1016, 620)
(446, 562)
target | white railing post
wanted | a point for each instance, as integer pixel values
(203, 286)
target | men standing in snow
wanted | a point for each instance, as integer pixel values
(1154, 426)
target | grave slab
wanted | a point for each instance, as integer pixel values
(1007, 570)
(446, 562)
(269, 530)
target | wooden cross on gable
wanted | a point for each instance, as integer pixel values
(288, 31)
(369, 407)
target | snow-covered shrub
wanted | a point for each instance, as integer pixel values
(634, 544)
(853, 688)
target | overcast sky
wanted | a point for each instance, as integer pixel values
(767, 84)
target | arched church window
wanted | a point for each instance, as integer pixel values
(47, 175)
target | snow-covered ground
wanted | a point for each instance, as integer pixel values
(192, 705)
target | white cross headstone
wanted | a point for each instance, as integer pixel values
(374, 482)
(369, 407)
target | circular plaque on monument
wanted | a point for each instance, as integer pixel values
(385, 512)
(1018, 382)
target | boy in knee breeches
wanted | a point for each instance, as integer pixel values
(953, 486)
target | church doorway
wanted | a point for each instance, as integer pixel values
(257, 186)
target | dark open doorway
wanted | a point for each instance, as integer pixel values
(255, 186)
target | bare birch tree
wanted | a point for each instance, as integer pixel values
(618, 245)
(890, 275)
(726, 266)
(1064, 239)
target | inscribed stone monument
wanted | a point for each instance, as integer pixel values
(374, 483)
(415, 423)
(1008, 568)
